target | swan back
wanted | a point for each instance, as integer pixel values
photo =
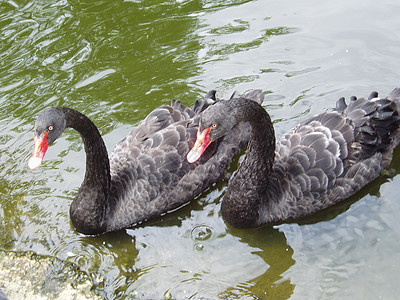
(331, 156)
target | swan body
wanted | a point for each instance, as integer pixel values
(147, 173)
(320, 162)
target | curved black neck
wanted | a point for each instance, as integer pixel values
(89, 208)
(242, 200)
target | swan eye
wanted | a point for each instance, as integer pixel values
(213, 126)
(51, 127)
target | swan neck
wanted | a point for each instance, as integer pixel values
(89, 208)
(242, 201)
(260, 154)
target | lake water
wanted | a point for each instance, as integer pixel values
(117, 60)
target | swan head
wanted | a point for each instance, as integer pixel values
(218, 120)
(215, 122)
(48, 127)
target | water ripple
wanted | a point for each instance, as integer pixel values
(116, 61)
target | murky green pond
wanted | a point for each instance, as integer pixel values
(117, 60)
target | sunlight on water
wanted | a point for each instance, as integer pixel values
(116, 61)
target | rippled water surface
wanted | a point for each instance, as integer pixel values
(117, 60)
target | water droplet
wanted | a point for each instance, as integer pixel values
(201, 233)
(198, 247)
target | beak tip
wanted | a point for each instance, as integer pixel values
(34, 162)
(192, 156)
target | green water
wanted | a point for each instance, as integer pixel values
(115, 61)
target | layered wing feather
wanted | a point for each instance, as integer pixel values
(333, 155)
(149, 171)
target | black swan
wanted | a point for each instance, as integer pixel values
(147, 173)
(320, 162)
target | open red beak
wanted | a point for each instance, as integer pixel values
(201, 144)
(41, 146)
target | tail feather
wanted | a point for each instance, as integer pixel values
(256, 95)
(373, 95)
(395, 97)
(376, 121)
(394, 94)
(209, 99)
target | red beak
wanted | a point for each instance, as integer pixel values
(201, 144)
(41, 146)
